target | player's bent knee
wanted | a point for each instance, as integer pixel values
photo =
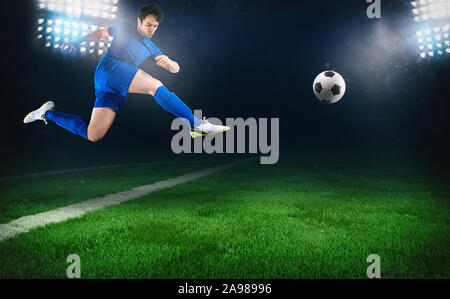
(154, 86)
(95, 136)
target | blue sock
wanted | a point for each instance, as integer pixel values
(169, 101)
(72, 123)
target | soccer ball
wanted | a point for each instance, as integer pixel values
(329, 87)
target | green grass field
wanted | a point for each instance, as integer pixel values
(304, 217)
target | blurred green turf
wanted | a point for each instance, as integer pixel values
(31, 195)
(300, 218)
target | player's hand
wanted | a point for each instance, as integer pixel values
(71, 45)
(163, 61)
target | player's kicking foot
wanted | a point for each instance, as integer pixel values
(207, 128)
(39, 113)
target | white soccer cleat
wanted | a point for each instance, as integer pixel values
(39, 113)
(207, 128)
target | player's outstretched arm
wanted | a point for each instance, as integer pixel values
(93, 36)
(165, 62)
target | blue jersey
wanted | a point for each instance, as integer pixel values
(129, 45)
(118, 66)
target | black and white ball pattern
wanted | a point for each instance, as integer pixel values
(329, 87)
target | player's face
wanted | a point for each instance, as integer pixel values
(148, 26)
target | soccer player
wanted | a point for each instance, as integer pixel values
(117, 74)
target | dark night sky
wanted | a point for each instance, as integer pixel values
(243, 59)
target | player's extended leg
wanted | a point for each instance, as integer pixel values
(101, 120)
(143, 83)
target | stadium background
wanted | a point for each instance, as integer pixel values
(246, 59)
(242, 59)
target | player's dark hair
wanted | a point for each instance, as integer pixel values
(150, 9)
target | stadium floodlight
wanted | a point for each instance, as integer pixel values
(65, 20)
(430, 10)
(433, 18)
(68, 30)
(81, 8)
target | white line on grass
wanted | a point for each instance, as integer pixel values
(91, 168)
(26, 223)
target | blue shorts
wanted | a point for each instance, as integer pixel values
(112, 81)
(108, 99)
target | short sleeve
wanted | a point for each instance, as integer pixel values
(155, 51)
(114, 29)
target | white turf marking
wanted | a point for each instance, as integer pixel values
(26, 223)
(90, 168)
